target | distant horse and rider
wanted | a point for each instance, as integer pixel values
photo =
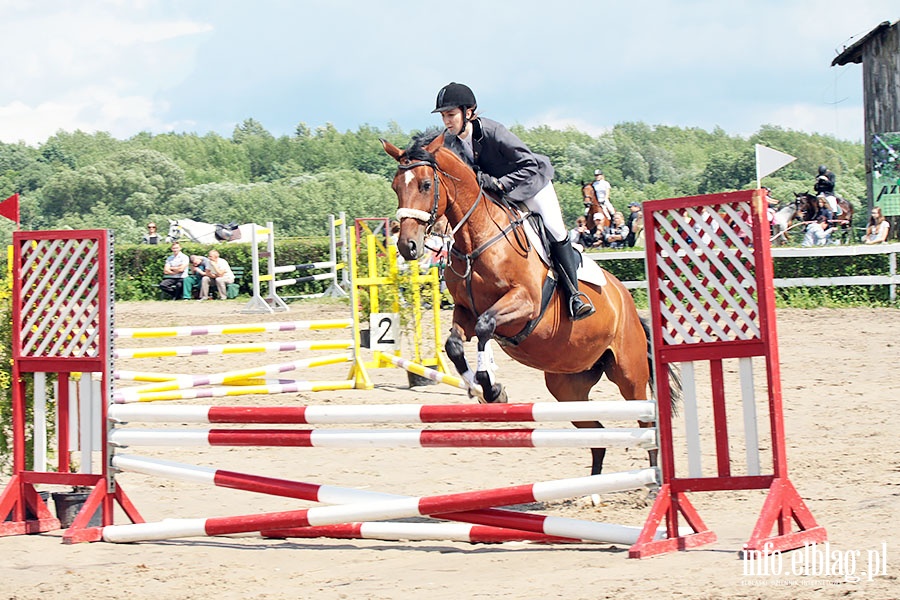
(596, 216)
(808, 205)
(190, 230)
(803, 210)
(503, 289)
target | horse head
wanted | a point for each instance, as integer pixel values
(806, 204)
(175, 231)
(427, 177)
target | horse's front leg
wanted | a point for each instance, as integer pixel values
(457, 355)
(461, 331)
(516, 306)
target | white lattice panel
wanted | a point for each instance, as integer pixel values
(60, 298)
(706, 274)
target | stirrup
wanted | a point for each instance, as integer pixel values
(584, 309)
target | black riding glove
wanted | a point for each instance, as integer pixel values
(489, 183)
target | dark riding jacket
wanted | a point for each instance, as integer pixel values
(501, 154)
(825, 183)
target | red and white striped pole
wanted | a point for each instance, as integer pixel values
(390, 438)
(637, 410)
(405, 508)
(488, 532)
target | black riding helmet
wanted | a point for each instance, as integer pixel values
(822, 169)
(454, 95)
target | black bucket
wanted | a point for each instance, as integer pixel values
(416, 380)
(68, 505)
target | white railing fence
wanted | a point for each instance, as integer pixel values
(891, 279)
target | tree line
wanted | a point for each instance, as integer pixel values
(92, 180)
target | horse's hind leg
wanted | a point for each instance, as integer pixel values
(573, 387)
(632, 377)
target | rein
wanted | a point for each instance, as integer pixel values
(516, 222)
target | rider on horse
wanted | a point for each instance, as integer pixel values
(601, 189)
(507, 167)
(824, 186)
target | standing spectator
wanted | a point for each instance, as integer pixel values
(175, 273)
(151, 237)
(615, 234)
(602, 189)
(817, 233)
(635, 223)
(218, 271)
(878, 228)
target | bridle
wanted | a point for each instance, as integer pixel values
(429, 218)
(420, 215)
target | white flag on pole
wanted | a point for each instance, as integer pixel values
(768, 161)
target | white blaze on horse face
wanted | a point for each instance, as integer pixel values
(408, 177)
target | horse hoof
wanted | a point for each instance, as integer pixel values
(498, 395)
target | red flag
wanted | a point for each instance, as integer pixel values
(9, 208)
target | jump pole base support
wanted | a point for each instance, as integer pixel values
(784, 506)
(19, 492)
(100, 498)
(664, 508)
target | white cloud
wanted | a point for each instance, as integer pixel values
(555, 120)
(100, 67)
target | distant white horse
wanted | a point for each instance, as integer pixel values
(208, 233)
(781, 222)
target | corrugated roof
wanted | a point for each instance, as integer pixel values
(853, 53)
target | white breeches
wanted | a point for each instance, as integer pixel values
(546, 204)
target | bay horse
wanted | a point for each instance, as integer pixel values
(808, 204)
(496, 278)
(596, 218)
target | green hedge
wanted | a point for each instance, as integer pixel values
(139, 267)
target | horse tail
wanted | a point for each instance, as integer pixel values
(675, 385)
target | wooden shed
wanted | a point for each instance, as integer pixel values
(879, 53)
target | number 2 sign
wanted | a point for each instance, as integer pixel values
(385, 328)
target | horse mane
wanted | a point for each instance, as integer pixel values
(416, 150)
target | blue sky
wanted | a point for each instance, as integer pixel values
(201, 65)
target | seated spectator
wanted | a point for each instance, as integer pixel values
(818, 233)
(151, 237)
(175, 274)
(197, 269)
(582, 236)
(614, 235)
(220, 272)
(878, 229)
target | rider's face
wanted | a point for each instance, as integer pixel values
(453, 120)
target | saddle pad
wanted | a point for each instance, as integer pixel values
(589, 271)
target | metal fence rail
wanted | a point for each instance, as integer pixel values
(891, 279)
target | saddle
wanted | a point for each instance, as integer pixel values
(228, 233)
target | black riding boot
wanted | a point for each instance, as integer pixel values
(565, 260)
